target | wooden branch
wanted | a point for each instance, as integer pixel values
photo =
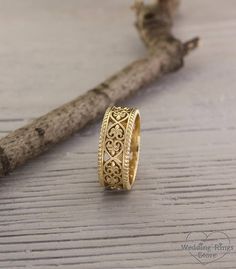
(166, 54)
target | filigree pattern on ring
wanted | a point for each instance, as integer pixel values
(114, 147)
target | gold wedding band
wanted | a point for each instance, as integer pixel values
(118, 152)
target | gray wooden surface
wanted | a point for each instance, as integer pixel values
(53, 213)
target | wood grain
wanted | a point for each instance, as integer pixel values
(53, 213)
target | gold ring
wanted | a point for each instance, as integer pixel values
(118, 152)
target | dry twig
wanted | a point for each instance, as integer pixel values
(166, 54)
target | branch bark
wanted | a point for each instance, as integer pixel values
(165, 54)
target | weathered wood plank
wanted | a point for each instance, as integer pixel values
(53, 213)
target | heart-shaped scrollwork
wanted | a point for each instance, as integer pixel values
(112, 173)
(116, 131)
(120, 114)
(114, 147)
